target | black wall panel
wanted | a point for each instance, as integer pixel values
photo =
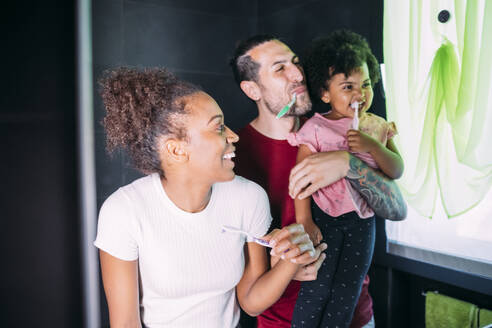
(40, 275)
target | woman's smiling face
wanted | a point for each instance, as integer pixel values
(210, 142)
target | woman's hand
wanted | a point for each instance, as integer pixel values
(309, 271)
(259, 287)
(313, 231)
(291, 243)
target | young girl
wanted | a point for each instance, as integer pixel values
(341, 71)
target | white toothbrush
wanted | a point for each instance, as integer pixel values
(355, 122)
(255, 239)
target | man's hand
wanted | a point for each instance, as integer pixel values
(317, 171)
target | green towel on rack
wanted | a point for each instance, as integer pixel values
(444, 311)
(485, 318)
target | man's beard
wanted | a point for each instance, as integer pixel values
(296, 109)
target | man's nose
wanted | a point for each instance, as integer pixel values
(296, 74)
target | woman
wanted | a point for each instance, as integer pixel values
(164, 260)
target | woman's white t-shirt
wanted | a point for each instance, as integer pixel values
(188, 267)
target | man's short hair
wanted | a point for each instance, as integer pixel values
(243, 66)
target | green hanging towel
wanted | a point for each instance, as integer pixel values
(444, 311)
(485, 318)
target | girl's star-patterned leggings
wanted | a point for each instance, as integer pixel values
(330, 300)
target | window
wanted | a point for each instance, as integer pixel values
(438, 83)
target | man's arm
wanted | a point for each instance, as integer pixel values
(322, 169)
(381, 193)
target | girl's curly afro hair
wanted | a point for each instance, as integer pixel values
(141, 106)
(342, 51)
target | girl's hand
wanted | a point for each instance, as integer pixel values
(291, 243)
(360, 142)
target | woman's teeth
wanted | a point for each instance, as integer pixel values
(229, 156)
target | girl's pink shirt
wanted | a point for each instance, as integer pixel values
(321, 134)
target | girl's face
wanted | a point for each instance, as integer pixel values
(209, 148)
(344, 90)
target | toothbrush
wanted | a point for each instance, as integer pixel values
(355, 122)
(287, 107)
(255, 239)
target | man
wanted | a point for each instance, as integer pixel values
(268, 72)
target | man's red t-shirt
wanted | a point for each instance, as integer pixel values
(268, 162)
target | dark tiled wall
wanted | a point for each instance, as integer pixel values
(40, 272)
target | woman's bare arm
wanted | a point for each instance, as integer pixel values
(253, 294)
(120, 279)
(259, 287)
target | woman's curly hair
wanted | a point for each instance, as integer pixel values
(342, 51)
(141, 106)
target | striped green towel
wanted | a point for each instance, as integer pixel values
(485, 318)
(444, 311)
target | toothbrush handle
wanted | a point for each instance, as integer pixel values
(261, 242)
(283, 111)
(355, 121)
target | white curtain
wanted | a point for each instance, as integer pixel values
(438, 85)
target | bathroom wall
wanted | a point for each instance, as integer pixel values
(39, 237)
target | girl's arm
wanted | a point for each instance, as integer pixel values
(387, 158)
(394, 162)
(120, 279)
(259, 287)
(303, 206)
